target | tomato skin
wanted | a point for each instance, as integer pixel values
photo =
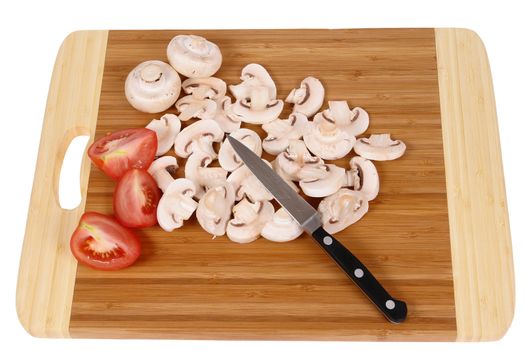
(122, 150)
(136, 198)
(101, 243)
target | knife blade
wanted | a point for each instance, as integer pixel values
(308, 217)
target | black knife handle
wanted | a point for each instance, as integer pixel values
(394, 310)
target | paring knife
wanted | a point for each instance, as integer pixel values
(310, 220)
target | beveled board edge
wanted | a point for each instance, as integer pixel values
(47, 269)
(479, 226)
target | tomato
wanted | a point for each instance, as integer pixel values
(120, 151)
(102, 243)
(136, 198)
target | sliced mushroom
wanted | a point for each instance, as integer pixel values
(308, 98)
(281, 131)
(204, 177)
(250, 113)
(281, 228)
(342, 209)
(163, 171)
(322, 180)
(167, 128)
(203, 88)
(194, 56)
(152, 87)
(294, 158)
(198, 136)
(248, 220)
(191, 107)
(176, 204)
(224, 116)
(215, 207)
(246, 184)
(354, 121)
(363, 177)
(282, 174)
(228, 158)
(326, 140)
(254, 76)
(380, 147)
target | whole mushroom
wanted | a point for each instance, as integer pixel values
(193, 56)
(248, 220)
(214, 209)
(167, 128)
(342, 209)
(308, 98)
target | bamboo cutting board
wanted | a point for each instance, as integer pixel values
(437, 236)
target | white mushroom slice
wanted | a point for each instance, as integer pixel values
(282, 227)
(226, 119)
(324, 139)
(202, 88)
(152, 87)
(363, 177)
(215, 207)
(248, 220)
(228, 158)
(308, 98)
(281, 131)
(191, 107)
(252, 114)
(163, 171)
(204, 177)
(294, 158)
(198, 136)
(176, 204)
(380, 147)
(194, 56)
(245, 183)
(167, 128)
(353, 121)
(254, 75)
(282, 174)
(322, 180)
(342, 209)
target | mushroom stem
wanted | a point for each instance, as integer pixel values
(151, 73)
(163, 178)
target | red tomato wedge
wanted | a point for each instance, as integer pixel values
(136, 198)
(100, 242)
(120, 151)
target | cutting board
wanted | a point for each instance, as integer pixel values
(437, 236)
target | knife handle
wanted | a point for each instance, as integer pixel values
(394, 310)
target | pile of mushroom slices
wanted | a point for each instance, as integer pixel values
(228, 199)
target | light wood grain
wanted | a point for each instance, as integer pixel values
(478, 216)
(47, 268)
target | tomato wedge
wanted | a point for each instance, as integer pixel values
(100, 242)
(120, 151)
(136, 198)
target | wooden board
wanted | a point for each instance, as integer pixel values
(437, 236)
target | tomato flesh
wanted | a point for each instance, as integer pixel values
(101, 243)
(136, 198)
(120, 151)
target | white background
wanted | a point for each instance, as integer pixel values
(31, 33)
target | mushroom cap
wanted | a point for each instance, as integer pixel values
(204, 177)
(245, 183)
(379, 147)
(366, 179)
(324, 139)
(198, 136)
(202, 88)
(152, 87)
(322, 180)
(191, 107)
(226, 119)
(167, 128)
(163, 170)
(248, 220)
(176, 204)
(294, 158)
(244, 112)
(253, 75)
(308, 98)
(228, 158)
(281, 228)
(193, 56)
(342, 209)
(281, 131)
(353, 121)
(214, 209)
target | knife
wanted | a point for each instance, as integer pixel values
(308, 217)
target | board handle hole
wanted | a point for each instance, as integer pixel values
(69, 192)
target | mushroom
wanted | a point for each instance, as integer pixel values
(326, 140)
(293, 159)
(285, 177)
(202, 88)
(353, 121)
(281, 228)
(204, 177)
(176, 204)
(163, 171)
(194, 56)
(198, 136)
(228, 158)
(308, 98)
(363, 177)
(248, 220)
(191, 107)
(342, 209)
(214, 209)
(249, 112)
(379, 147)
(226, 119)
(245, 183)
(152, 87)
(254, 75)
(281, 131)
(167, 128)
(321, 180)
